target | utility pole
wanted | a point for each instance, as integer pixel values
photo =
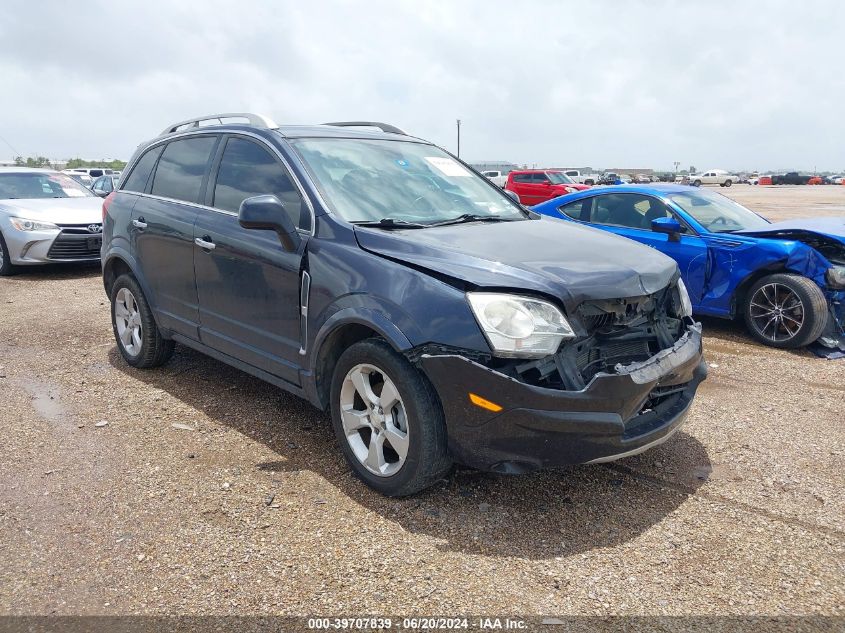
(459, 138)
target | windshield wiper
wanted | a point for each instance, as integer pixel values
(391, 223)
(472, 217)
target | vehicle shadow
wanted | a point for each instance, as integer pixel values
(537, 516)
(55, 272)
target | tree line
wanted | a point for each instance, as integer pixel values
(72, 163)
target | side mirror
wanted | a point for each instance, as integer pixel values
(99, 193)
(268, 213)
(513, 194)
(670, 226)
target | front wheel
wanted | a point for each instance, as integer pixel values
(728, 183)
(785, 311)
(696, 183)
(6, 267)
(138, 338)
(388, 420)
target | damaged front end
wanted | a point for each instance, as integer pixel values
(622, 385)
(816, 249)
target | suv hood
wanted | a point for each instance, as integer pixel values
(88, 210)
(793, 229)
(549, 256)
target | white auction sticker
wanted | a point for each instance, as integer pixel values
(447, 166)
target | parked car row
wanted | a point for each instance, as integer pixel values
(432, 314)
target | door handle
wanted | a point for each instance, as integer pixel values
(139, 223)
(204, 242)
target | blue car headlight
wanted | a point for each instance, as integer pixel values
(836, 277)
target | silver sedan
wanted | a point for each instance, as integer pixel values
(45, 217)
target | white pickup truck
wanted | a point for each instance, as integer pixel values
(714, 177)
(496, 177)
(582, 178)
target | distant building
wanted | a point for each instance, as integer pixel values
(627, 170)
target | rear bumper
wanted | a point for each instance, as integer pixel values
(543, 428)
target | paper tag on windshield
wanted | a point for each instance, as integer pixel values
(447, 166)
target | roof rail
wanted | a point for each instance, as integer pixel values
(384, 127)
(255, 120)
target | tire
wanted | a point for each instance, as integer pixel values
(145, 347)
(799, 325)
(374, 364)
(590, 182)
(696, 183)
(6, 266)
(728, 183)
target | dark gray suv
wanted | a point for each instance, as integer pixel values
(384, 280)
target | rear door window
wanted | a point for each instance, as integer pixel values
(182, 167)
(137, 180)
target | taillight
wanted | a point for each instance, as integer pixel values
(106, 204)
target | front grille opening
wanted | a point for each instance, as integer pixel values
(73, 246)
(661, 396)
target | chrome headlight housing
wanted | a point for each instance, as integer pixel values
(836, 277)
(684, 305)
(22, 224)
(519, 327)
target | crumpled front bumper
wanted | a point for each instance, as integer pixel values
(541, 428)
(833, 336)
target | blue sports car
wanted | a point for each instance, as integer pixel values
(787, 279)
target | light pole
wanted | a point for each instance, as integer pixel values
(459, 138)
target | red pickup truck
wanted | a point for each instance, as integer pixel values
(534, 186)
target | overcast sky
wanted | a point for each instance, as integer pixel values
(614, 84)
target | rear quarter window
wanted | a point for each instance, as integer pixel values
(137, 180)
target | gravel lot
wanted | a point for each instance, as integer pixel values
(247, 506)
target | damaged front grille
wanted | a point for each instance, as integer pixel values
(613, 332)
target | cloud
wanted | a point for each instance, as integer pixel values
(564, 83)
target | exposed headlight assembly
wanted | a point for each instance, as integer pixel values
(685, 307)
(519, 327)
(836, 277)
(22, 224)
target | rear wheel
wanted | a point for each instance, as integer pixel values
(6, 267)
(138, 338)
(388, 420)
(785, 311)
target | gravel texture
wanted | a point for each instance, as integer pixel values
(196, 488)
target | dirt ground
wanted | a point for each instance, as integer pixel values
(247, 506)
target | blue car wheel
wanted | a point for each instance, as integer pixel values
(785, 311)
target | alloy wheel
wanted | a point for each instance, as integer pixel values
(128, 321)
(375, 421)
(777, 312)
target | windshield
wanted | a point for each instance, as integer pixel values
(366, 180)
(559, 178)
(717, 213)
(40, 185)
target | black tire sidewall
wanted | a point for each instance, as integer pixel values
(426, 460)
(804, 288)
(150, 337)
(6, 266)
